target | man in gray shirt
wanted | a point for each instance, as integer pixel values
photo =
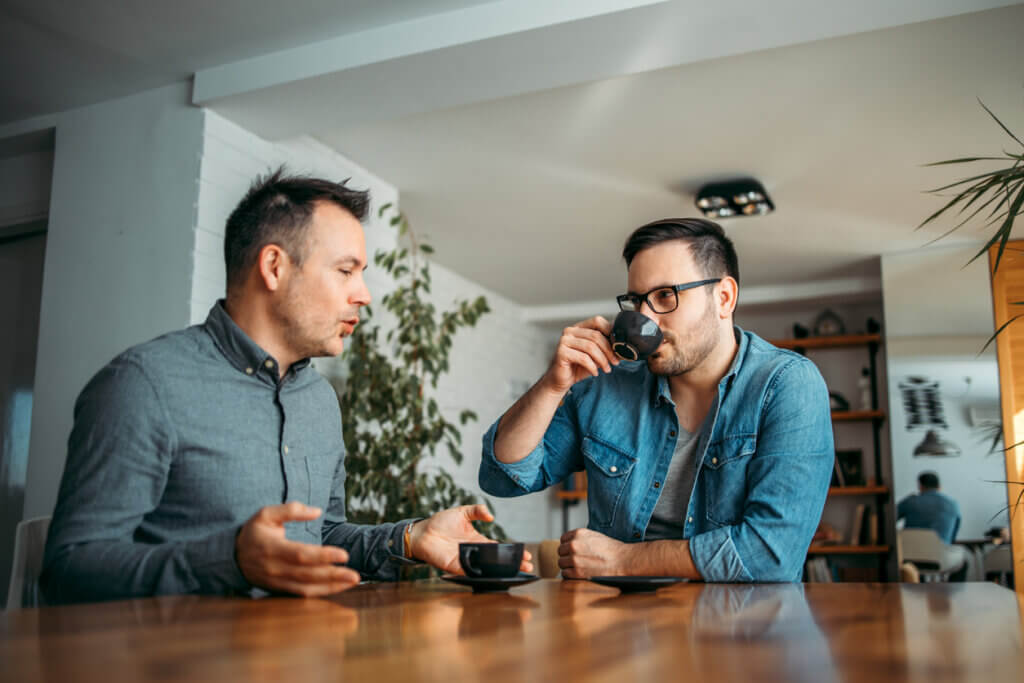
(211, 460)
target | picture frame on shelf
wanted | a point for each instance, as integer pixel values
(850, 462)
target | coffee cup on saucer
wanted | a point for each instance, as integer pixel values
(490, 560)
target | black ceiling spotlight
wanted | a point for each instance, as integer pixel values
(742, 197)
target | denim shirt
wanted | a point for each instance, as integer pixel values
(764, 460)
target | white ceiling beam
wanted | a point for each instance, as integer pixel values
(511, 48)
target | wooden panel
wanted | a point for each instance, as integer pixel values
(857, 415)
(1008, 287)
(847, 549)
(858, 490)
(836, 342)
(550, 630)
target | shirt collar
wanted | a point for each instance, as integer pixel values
(240, 350)
(661, 388)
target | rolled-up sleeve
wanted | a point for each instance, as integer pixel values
(119, 456)
(556, 456)
(787, 479)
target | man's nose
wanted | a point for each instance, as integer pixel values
(362, 295)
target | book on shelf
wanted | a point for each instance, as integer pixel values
(837, 474)
(858, 524)
(818, 570)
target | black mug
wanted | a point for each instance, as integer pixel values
(490, 560)
(635, 336)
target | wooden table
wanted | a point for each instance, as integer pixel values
(551, 630)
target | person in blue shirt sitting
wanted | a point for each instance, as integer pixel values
(930, 509)
(710, 460)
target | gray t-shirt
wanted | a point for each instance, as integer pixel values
(669, 516)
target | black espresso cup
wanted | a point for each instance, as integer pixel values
(635, 336)
(490, 560)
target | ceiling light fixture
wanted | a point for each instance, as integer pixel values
(744, 196)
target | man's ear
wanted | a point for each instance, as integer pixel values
(728, 290)
(273, 264)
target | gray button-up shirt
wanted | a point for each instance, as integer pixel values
(176, 443)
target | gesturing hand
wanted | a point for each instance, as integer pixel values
(436, 540)
(269, 560)
(583, 350)
(584, 553)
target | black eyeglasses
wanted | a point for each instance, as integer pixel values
(660, 299)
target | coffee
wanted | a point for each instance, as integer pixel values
(490, 560)
(635, 336)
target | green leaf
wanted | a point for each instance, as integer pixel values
(426, 249)
(996, 118)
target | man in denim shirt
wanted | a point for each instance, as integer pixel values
(211, 460)
(710, 461)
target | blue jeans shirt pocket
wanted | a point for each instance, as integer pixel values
(725, 476)
(608, 469)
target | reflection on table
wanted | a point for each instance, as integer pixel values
(548, 630)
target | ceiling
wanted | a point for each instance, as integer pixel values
(534, 195)
(528, 151)
(57, 55)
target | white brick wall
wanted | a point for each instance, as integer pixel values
(502, 352)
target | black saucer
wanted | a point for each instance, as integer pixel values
(488, 584)
(636, 584)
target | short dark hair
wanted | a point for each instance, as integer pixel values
(928, 480)
(712, 250)
(278, 209)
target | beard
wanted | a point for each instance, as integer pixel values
(678, 356)
(307, 333)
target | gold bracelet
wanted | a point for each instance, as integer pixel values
(407, 538)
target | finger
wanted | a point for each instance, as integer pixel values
(593, 349)
(288, 512)
(566, 562)
(569, 535)
(599, 323)
(602, 342)
(574, 573)
(526, 566)
(527, 555)
(322, 574)
(309, 554)
(477, 512)
(574, 357)
(564, 549)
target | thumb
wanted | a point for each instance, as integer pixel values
(478, 512)
(288, 512)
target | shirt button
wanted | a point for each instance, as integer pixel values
(672, 433)
(248, 371)
(714, 461)
(657, 484)
(636, 535)
(613, 469)
(286, 449)
(269, 364)
(689, 519)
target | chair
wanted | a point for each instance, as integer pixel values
(934, 560)
(998, 564)
(29, 543)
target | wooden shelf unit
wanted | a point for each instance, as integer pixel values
(826, 549)
(880, 493)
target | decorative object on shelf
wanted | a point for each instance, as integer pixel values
(826, 534)
(935, 445)
(800, 332)
(838, 402)
(828, 324)
(922, 403)
(851, 466)
(864, 384)
(739, 197)
(873, 326)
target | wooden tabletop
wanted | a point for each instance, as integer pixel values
(551, 630)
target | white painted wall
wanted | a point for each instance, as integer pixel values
(119, 254)
(939, 315)
(502, 352)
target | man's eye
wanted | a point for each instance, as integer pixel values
(664, 293)
(344, 272)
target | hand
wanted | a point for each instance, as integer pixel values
(585, 553)
(582, 352)
(269, 560)
(436, 540)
